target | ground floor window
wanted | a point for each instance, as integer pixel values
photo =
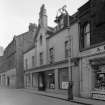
(4, 80)
(50, 79)
(100, 77)
(63, 78)
(28, 80)
(34, 80)
(0, 80)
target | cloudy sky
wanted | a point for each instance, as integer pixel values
(15, 15)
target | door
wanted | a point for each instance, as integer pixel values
(41, 81)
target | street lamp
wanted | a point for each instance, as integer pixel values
(70, 83)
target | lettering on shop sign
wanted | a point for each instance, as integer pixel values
(100, 49)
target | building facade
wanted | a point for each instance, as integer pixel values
(1, 51)
(92, 49)
(53, 48)
(11, 68)
(29, 63)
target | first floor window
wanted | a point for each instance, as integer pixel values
(67, 49)
(41, 58)
(51, 55)
(33, 61)
(85, 35)
(26, 64)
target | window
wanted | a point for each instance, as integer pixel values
(41, 58)
(33, 61)
(63, 78)
(50, 79)
(67, 49)
(28, 80)
(85, 35)
(100, 77)
(26, 64)
(62, 23)
(41, 39)
(51, 55)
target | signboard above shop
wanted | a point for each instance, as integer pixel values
(92, 51)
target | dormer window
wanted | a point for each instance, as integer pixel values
(61, 23)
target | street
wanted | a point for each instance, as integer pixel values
(19, 97)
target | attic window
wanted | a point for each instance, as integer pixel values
(61, 23)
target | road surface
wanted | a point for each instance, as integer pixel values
(19, 97)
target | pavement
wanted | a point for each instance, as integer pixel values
(78, 100)
(21, 97)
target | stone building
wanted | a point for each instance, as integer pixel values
(11, 69)
(29, 63)
(1, 51)
(91, 18)
(53, 47)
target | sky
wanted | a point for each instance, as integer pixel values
(15, 15)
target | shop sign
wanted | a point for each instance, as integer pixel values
(64, 85)
(94, 51)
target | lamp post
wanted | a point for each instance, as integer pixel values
(70, 83)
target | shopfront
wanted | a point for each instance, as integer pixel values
(63, 78)
(34, 80)
(28, 80)
(50, 79)
(92, 77)
(98, 66)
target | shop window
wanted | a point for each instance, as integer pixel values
(28, 80)
(85, 35)
(100, 78)
(67, 49)
(0, 80)
(63, 78)
(50, 79)
(41, 58)
(26, 64)
(51, 55)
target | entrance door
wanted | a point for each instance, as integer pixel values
(41, 81)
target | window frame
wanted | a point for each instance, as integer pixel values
(51, 55)
(41, 58)
(33, 61)
(41, 39)
(67, 49)
(26, 64)
(84, 34)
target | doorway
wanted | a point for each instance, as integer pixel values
(41, 81)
